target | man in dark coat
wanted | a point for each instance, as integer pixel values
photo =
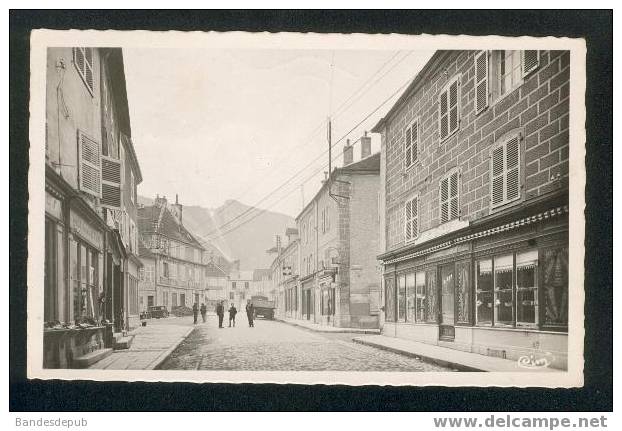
(232, 312)
(195, 312)
(250, 313)
(203, 312)
(220, 311)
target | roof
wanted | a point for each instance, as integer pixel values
(419, 80)
(158, 219)
(259, 274)
(213, 270)
(370, 164)
(143, 251)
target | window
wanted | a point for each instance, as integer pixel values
(132, 188)
(527, 288)
(89, 159)
(503, 279)
(482, 89)
(246, 285)
(389, 295)
(508, 69)
(401, 298)
(165, 269)
(411, 219)
(231, 296)
(83, 60)
(410, 297)
(233, 285)
(141, 274)
(505, 171)
(449, 197)
(449, 113)
(484, 292)
(411, 144)
(555, 288)
(420, 291)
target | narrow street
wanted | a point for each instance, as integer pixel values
(276, 346)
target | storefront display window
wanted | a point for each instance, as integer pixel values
(463, 292)
(410, 297)
(431, 295)
(484, 292)
(504, 276)
(420, 291)
(401, 298)
(389, 306)
(527, 288)
(555, 287)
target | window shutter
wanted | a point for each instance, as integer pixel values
(531, 61)
(414, 208)
(497, 175)
(89, 160)
(512, 169)
(443, 115)
(407, 218)
(415, 141)
(408, 146)
(481, 81)
(111, 183)
(453, 193)
(453, 106)
(444, 200)
(83, 60)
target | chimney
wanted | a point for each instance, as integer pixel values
(365, 146)
(177, 209)
(348, 154)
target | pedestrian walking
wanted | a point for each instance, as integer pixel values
(195, 312)
(203, 312)
(232, 312)
(220, 312)
(250, 314)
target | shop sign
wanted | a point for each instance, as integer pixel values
(85, 230)
(53, 206)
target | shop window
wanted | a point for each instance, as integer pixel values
(420, 292)
(527, 288)
(463, 292)
(555, 287)
(484, 292)
(432, 303)
(504, 301)
(410, 297)
(401, 298)
(389, 295)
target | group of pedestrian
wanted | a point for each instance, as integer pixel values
(195, 312)
(250, 314)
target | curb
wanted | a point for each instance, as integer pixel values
(162, 357)
(337, 331)
(424, 358)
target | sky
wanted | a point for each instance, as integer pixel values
(212, 125)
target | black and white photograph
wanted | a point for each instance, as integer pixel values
(306, 208)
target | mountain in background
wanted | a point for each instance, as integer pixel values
(243, 239)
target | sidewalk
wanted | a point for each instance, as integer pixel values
(152, 344)
(322, 328)
(457, 359)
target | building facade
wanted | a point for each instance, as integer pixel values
(175, 257)
(474, 196)
(285, 271)
(92, 174)
(339, 235)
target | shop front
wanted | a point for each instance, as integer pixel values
(498, 291)
(308, 298)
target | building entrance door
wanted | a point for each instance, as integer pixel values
(150, 301)
(308, 303)
(446, 328)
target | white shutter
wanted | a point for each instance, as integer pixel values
(453, 196)
(531, 61)
(407, 218)
(481, 81)
(414, 221)
(111, 183)
(444, 200)
(497, 171)
(83, 60)
(512, 161)
(89, 159)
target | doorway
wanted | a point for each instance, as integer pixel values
(447, 330)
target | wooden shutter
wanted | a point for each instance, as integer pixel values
(512, 162)
(414, 220)
(407, 218)
(83, 60)
(531, 61)
(443, 115)
(111, 183)
(497, 180)
(453, 106)
(89, 160)
(481, 81)
(444, 200)
(408, 146)
(414, 139)
(453, 196)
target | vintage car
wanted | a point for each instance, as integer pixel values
(158, 311)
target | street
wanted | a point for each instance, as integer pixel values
(277, 346)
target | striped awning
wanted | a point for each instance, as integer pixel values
(545, 215)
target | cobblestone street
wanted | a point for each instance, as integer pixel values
(276, 346)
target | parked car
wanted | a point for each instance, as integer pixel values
(263, 307)
(158, 311)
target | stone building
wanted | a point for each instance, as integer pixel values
(285, 270)
(474, 185)
(172, 254)
(339, 234)
(91, 177)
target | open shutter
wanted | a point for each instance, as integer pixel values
(111, 183)
(407, 218)
(512, 158)
(453, 193)
(497, 168)
(444, 200)
(443, 115)
(414, 208)
(481, 81)
(89, 160)
(408, 146)
(453, 106)
(414, 132)
(530, 62)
